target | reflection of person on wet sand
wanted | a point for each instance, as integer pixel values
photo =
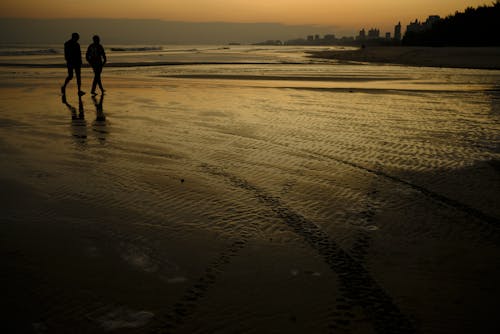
(73, 56)
(99, 125)
(99, 113)
(81, 111)
(97, 58)
(78, 123)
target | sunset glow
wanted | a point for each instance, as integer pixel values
(354, 13)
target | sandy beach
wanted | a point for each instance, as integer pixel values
(251, 199)
(452, 57)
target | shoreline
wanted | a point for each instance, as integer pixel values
(149, 64)
(452, 57)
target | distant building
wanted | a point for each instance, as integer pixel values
(362, 35)
(329, 38)
(388, 35)
(373, 33)
(397, 32)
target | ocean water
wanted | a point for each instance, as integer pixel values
(254, 189)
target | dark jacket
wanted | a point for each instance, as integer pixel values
(72, 53)
(95, 54)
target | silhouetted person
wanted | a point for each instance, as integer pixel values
(73, 56)
(96, 58)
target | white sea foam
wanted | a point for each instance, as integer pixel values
(24, 52)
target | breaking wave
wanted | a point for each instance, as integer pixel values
(146, 48)
(29, 52)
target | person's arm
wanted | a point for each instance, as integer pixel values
(66, 52)
(103, 55)
(87, 55)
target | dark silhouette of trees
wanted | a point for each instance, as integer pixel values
(473, 27)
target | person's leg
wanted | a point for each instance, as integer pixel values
(78, 74)
(68, 79)
(79, 80)
(98, 76)
(94, 82)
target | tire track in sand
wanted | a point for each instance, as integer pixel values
(170, 320)
(471, 211)
(359, 288)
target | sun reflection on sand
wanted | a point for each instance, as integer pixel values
(252, 197)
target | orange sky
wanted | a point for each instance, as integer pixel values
(340, 13)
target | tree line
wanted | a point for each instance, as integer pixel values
(473, 27)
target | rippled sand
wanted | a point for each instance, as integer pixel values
(251, 199)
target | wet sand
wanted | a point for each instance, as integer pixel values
(452, 57)
(199, 204)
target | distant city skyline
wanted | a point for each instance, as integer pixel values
(344, 16)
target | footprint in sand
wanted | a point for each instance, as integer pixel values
(140, 260)
(124, 318)
(143, 258)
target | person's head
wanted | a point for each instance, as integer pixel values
(75, 36)
(96, 39)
